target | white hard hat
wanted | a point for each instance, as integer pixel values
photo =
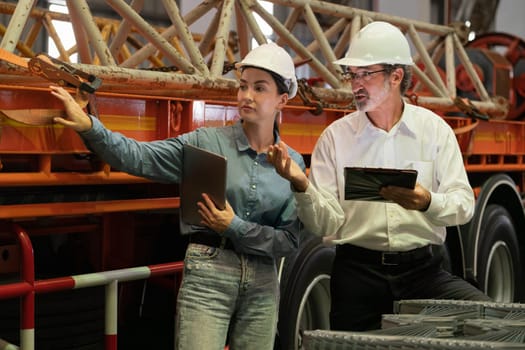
(377, 43)
(273, 58)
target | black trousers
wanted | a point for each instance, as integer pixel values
(364, 285)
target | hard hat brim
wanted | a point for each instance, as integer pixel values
(354, 62)
(293, 86)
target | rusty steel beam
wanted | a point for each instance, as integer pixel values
(16, 25)
(83, 15)
(177, 45)
(151, 34)
(185, 35)
(221, 39)
(124, 29)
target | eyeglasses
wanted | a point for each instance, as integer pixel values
(365, 75)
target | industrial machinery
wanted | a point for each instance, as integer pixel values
(88, 253)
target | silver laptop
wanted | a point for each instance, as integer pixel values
(202, 172)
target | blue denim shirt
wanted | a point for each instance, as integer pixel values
(265, 221)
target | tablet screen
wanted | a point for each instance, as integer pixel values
(365, 183)
(202, 172)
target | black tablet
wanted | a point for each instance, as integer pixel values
(202, 172)
(365, 183)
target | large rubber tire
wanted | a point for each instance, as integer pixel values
(498, 264)
(305, 294)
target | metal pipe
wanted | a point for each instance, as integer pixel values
(16, 25)
(296, 45)
(82, 41)
(426, 81)
(142, 54)
(111, 319)
(242, 31)
(148, 49)
(27, 300)
(494, 108)
(149, 32)
(221, 39)
(207, 39)
(450, 66)
(81, 8)
(429, 65)
(345, 11)
(48, 23)
(27, 290)
(337, 27)
(320, 37)
(123, 30)
(465, 60)
(257, 33)
(185, 36)
(7, 346)
(294, 15)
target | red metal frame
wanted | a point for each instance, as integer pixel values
(43, 151)
(27, 289)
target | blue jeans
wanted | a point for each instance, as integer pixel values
(226, 297)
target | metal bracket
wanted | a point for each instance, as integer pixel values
(63, 74)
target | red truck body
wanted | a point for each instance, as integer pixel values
(70, 222)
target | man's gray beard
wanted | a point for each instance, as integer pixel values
(361, 106)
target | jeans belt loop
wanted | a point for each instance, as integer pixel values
(223, 242)
(211, 239)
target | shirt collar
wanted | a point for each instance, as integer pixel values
(360, 123)
(407, 122)
(242, 141)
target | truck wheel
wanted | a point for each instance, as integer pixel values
(499, 267)
(305, 298)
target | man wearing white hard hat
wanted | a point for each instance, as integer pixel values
(386, 249)
(230, 287)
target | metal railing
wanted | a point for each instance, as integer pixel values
(29, 286)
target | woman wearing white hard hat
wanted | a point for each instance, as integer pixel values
(230, 290)
(387, 249)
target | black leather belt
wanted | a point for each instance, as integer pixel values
(211, 239)
(384, 258)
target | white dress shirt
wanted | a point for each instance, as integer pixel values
(421, 140)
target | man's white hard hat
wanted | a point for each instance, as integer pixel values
(273, 58)
(377, 43)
